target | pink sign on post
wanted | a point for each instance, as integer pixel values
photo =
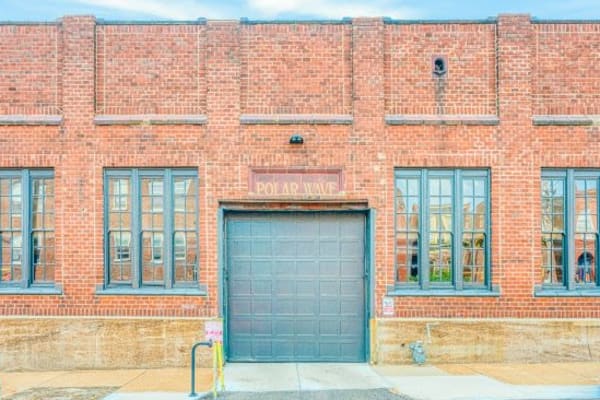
(213, 330)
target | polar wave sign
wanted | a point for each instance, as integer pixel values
(311, 183)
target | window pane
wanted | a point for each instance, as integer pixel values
(552, 256)
(43, 256)
(440, 257)
(473, 258)
(120, 257)
(407, 229)
(585, 260)
(42, 225)
(407, 257)
(553, 230)
(152, 258)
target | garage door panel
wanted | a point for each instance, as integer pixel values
(329, 327)
(305, 307)
(261, 248)
(329, 267)
(284, 288)
(349, 326)
(305, 327)
(262, 287)
(296, 287)
(284, 307)
(307, 248)
(284, 327)
(329, 248)
(261, 307)
(261, 267)
(306, 268)
(284, 248)
(329, 307)
(329, 287)
(284, 267)
(262, 326)
(306, 288)
(260, 228)
(240, 248)
(239, 308)
(241, 286)
(351, 248)
(351, 288)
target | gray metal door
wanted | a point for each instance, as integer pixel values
(296, 286)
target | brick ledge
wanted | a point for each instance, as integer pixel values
(444, 119)
(18, 119)
(296, 119)
(566, 120)
(152, 119)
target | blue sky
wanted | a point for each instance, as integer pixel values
(49, 10)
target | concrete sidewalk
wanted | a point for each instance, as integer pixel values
(552, 381)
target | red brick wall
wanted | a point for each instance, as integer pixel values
(150, 69)
(367, 69)
(30, 77)
(566, 57)
(468, 87)
(296, 69)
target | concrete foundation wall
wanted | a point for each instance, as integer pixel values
(85, 343)
(493, 340)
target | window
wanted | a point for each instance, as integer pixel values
(442, 229)
(154, 242)
(27, 249)
(569, 229)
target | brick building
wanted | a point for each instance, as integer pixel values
(334, 190)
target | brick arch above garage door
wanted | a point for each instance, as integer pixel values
(295, 286)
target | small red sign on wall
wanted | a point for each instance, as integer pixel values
(295, 182)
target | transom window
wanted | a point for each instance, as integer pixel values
(442, 228)
(27, 246)
(570, 228)
(151, 228)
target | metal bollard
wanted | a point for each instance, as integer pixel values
(194, 347)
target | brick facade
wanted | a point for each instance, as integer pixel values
(222, 97)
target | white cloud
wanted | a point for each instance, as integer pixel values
(179, 10)
(333, 8)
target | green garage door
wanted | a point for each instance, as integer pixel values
(296, 286)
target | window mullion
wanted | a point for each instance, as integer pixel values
(568, 263)
(26, 250)
(168, 234)
(457, 225)
(424, 230)
(136, 232)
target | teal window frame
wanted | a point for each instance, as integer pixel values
(167, 209)
(30, 253)
(567, 285)
(424, 284)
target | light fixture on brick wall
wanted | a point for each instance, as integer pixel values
(296, 139)
(440, 65)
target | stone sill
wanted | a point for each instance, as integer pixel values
(191, 291)
(398, 291)
(31, 290)
(566, 120)
(296, 119)
(426, 119)
(17, 119)
(150, 119)
(541, 291)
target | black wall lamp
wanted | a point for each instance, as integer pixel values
(296, 139)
